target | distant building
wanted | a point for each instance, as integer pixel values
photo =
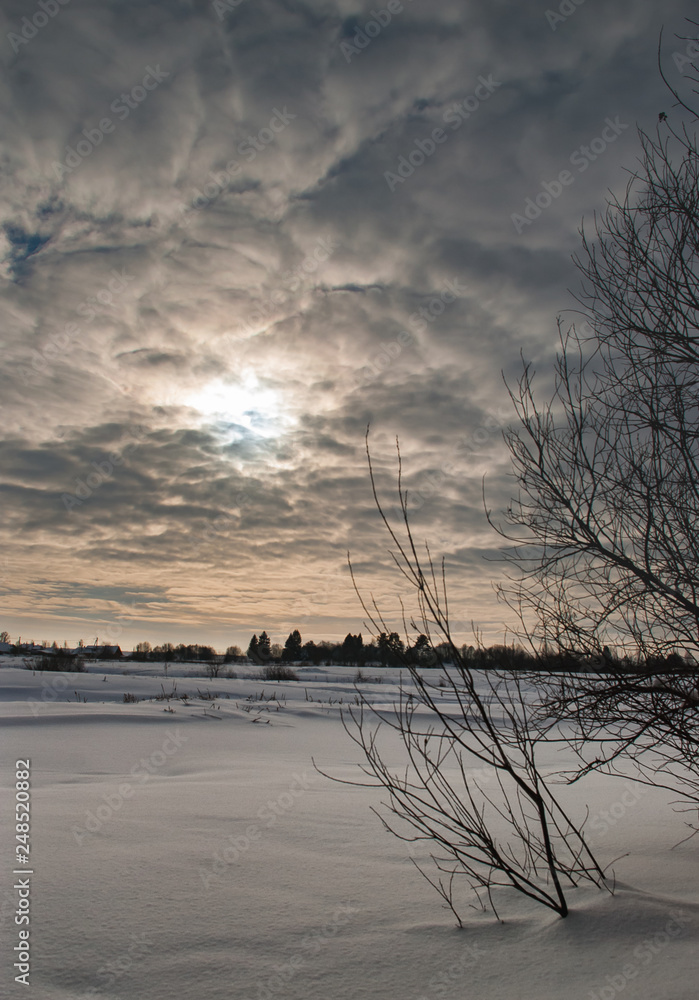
(98, 652)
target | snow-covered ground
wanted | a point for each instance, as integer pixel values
(188, 849)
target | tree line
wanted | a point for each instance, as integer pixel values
(386, 649)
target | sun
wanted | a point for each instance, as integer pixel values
(244, 403)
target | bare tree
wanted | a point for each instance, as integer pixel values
(648, 716)
(471, 784)
(604, 553)
(603, 530)
(604, 524)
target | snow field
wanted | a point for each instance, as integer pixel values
(198, 854)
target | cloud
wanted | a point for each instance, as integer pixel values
(220, 216)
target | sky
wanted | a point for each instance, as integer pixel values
(234, 235)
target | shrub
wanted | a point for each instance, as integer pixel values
(472, 785)
(278, 672)
(65, 662)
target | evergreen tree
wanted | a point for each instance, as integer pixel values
(292, 647)
(253, 649)
(390, 648)
(264, 646)
(312, 652)
(422, 653)
(352, 649)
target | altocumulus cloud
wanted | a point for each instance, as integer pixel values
(165, 169)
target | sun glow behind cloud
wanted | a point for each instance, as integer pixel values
(246, 403)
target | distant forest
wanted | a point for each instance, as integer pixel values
(386, 649)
